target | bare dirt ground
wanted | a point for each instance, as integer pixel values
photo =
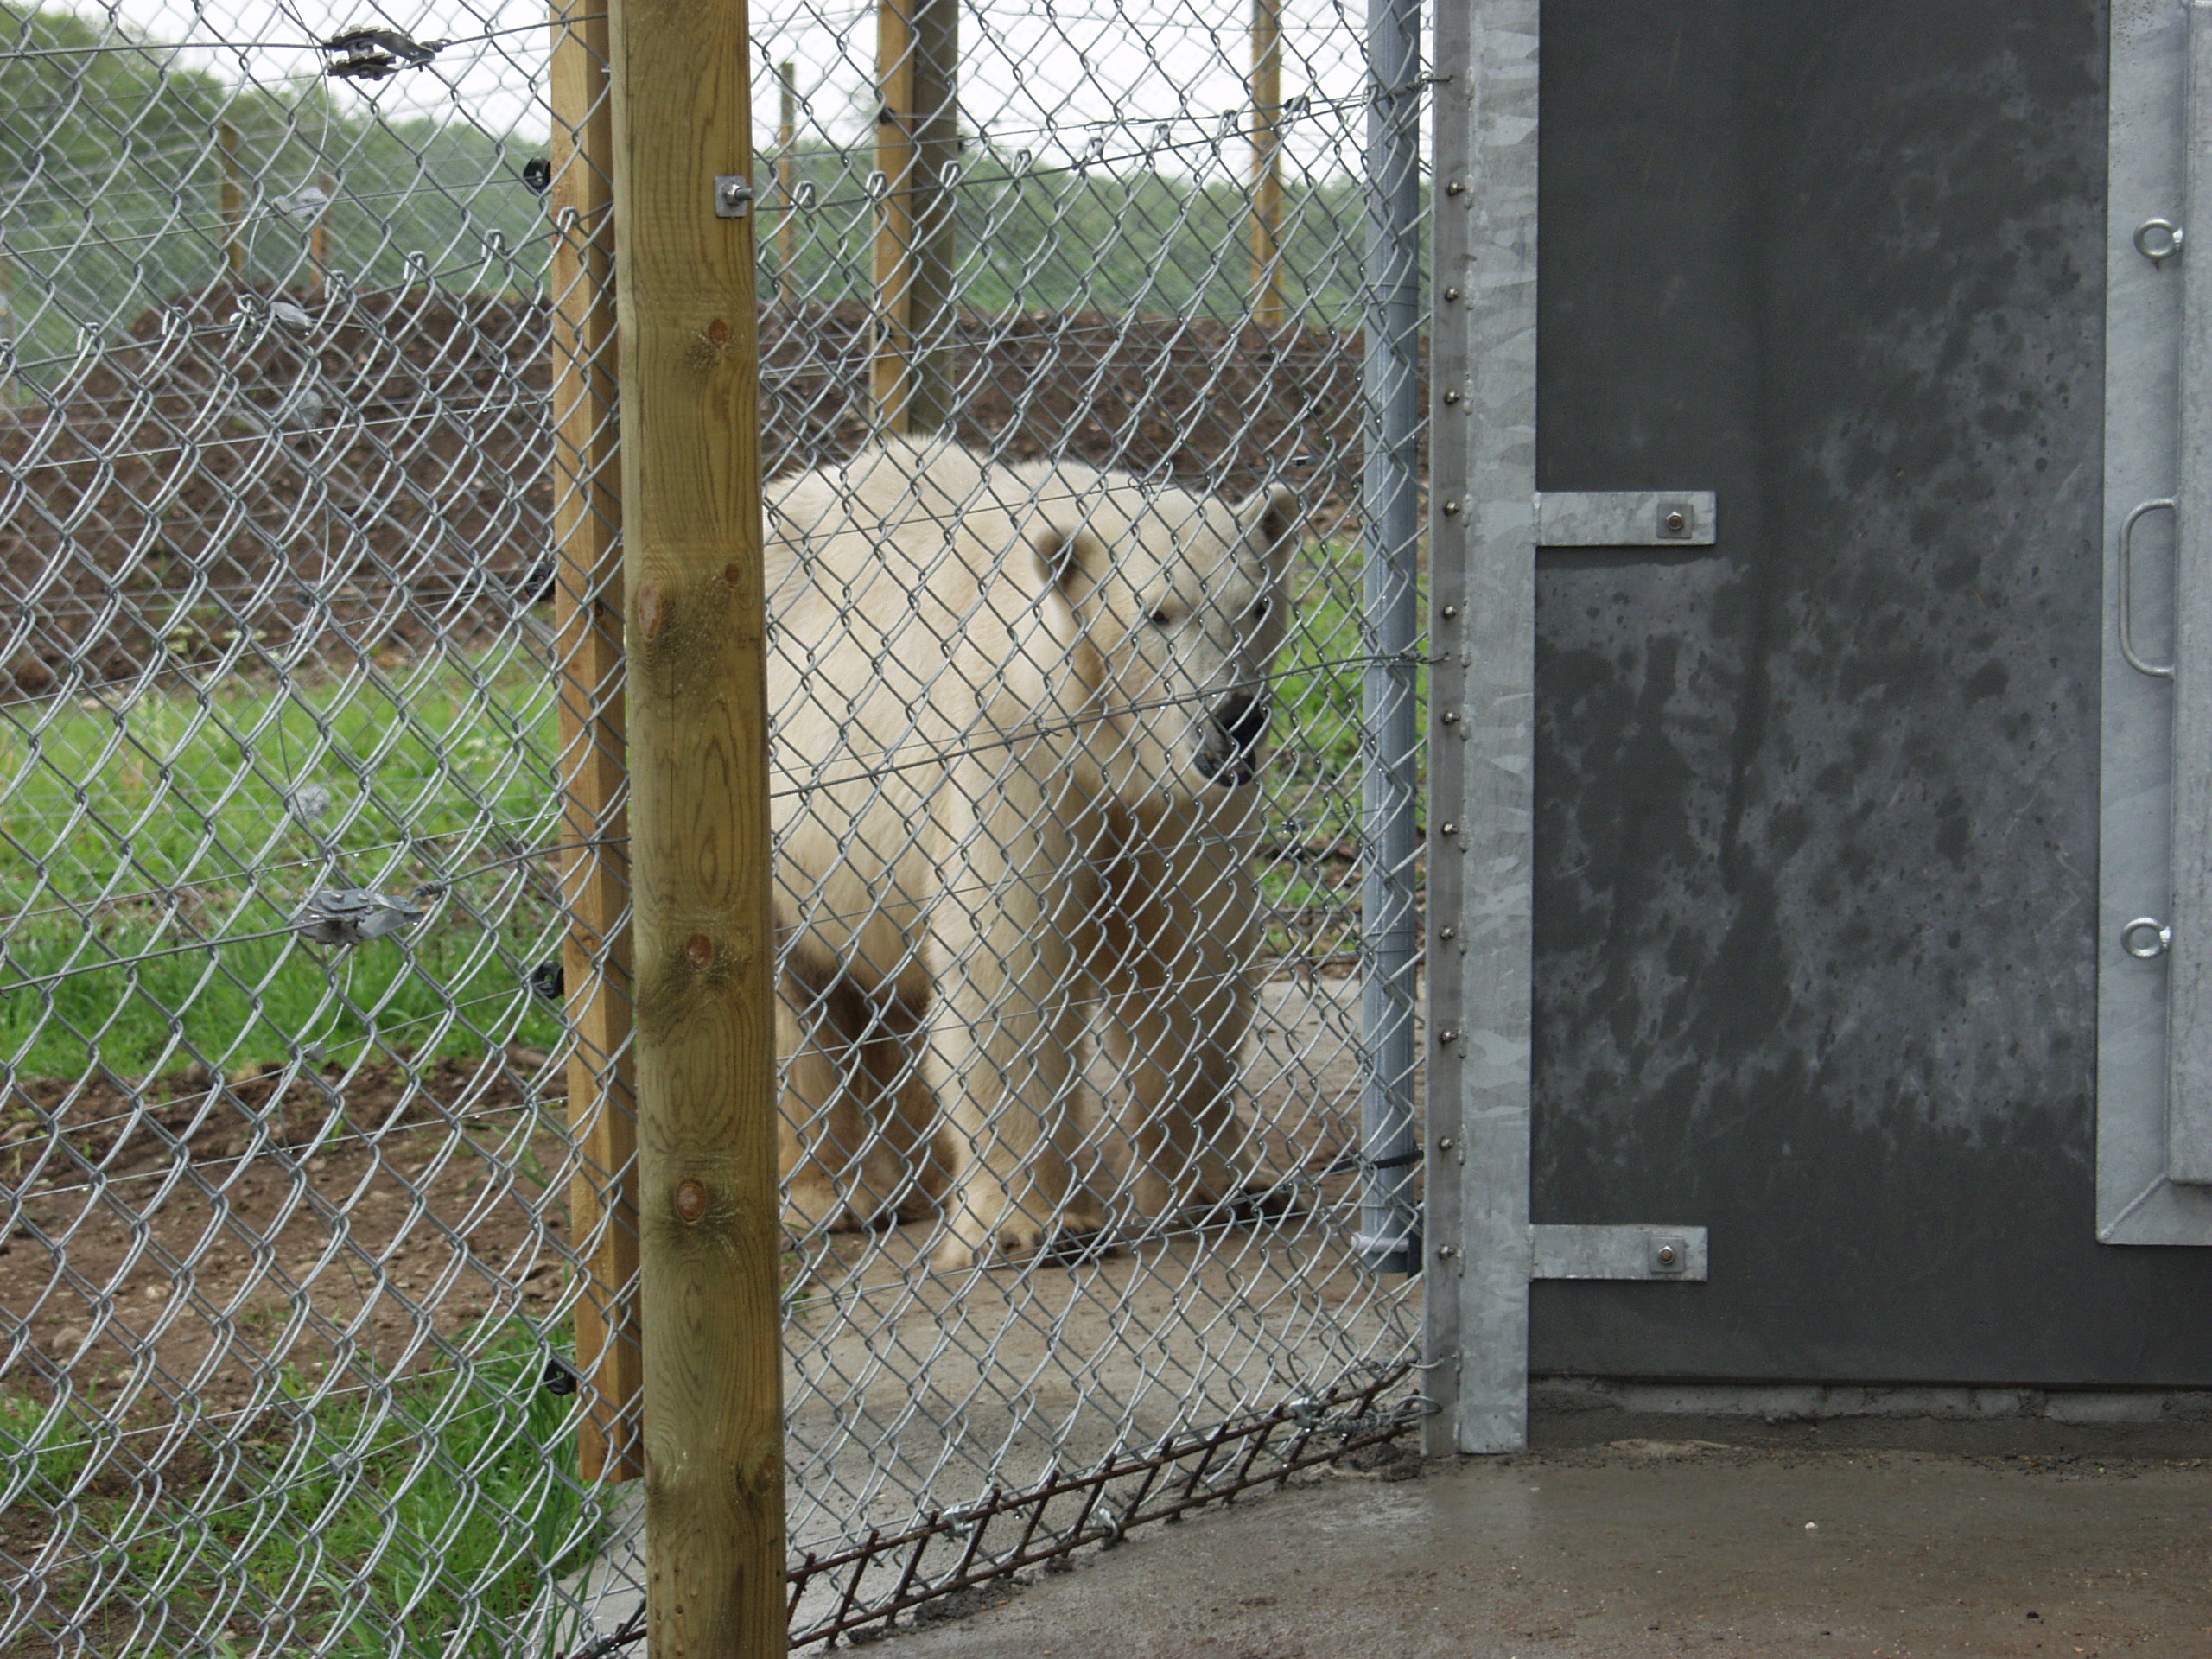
(1642, 1548)
(386, 479)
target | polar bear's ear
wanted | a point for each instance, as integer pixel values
(1069, 560)
(1270, 518)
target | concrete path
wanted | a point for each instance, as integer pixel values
(1647, 1549)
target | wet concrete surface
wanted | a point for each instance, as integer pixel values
(1647, 1548)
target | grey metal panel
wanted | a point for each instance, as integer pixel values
(1817, 944)
(1626, 517)
(1564, 1251)
(2136, 1203)
(2188, 1020)
(1484, 557)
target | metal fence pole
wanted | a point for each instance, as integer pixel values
(1388, 1224)
(1481, 479)
(1268, 310)
(595, 873)
(700, 834)
(918, 145)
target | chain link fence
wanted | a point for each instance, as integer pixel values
(1090, 403)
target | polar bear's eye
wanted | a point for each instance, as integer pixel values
(1262, 608)
(1161, 619)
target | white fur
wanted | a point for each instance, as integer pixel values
(997, 830)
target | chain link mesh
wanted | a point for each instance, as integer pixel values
(317, 1260)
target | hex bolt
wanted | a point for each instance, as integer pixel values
(1451, 294)
(1448, 827)
(1450, 716)
(1666, 1255)
(1677, 522)
(1450, 507)
(1457, 188)
(1447, 932)
(1449, 612)
(1448, 1036)
(1450, 398)
(1445, 1143)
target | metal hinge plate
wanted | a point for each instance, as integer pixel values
(1626, 517)
(1559, 1251)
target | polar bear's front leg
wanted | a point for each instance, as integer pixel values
(1180, 1004)
(1003, 1029)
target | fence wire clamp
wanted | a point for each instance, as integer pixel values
(354, 915)
(374, 54)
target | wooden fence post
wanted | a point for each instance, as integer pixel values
(917, 144)
(588, 633)
(226, 140)
(1268, 309)
(319, 238)
(703, 922)
(786, 174)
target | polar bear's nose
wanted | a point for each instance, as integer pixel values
(1239, 722)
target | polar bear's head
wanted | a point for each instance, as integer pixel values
(1182, 601)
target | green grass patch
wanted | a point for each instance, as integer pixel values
(133, 833)
(423, 1517)
(1314, 810)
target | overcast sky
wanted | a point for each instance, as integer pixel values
(1092, 70)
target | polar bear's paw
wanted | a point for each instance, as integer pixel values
(1077, 1234)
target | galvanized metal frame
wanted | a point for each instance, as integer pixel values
(1389, 1232)
(2151, 1015)
(1481, 469)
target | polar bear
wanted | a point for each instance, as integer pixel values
(1018, 716)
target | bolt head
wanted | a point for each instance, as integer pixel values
(1677, 523)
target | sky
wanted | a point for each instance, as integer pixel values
(1050, 77)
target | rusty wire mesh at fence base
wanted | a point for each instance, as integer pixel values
(316, 1299)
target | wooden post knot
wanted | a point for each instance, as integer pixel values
(690, 1200)
(699, 951)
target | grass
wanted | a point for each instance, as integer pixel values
(158, 824)
(1315, 808)
(155, 825)
(423, 1517)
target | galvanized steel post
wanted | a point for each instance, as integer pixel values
(1389, 1225)
(1481, 488)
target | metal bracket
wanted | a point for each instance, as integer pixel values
(733, 196)
(1565, 1251)
(1626, 517)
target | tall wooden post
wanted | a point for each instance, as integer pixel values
(699, 827)
(319, 238)
(917, 142)
(226, 140)
(1268, 310)
(594, 785)
(786, 173)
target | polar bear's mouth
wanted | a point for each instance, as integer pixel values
(1229, 756)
